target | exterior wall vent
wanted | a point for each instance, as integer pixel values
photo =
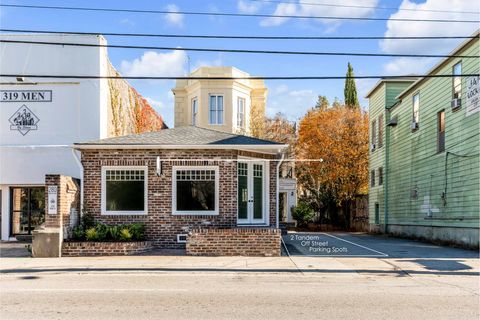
(181, 238)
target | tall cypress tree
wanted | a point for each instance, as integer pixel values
(350, 90)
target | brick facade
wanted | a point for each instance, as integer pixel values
(161, 225)
(88, 249)
(234, 242)
(68, 201)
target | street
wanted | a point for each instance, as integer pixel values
(419, 281)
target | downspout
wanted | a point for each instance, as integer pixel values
(277, 212)
(79, 163)
(387, 171)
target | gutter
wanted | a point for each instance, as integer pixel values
(80, 146)
(277, 212)
(79, 163)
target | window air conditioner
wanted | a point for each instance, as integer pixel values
(456, 103)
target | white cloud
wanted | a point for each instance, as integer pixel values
(305, 8)
(419, 28)
(281, 89)
(281, 10)
(244, 6)
(301, 93)
(209, 63)
(155, 103)
(408, 66)
(174, 19)
(151, 63)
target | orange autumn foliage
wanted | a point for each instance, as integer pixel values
(338, 136)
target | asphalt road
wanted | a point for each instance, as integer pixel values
(416, 281)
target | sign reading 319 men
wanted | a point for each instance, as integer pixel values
(473, 95)
(25, 95)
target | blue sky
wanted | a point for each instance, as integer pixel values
(293, 98)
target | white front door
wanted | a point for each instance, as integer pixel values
(251, 193)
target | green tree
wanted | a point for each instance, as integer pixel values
(322, 103)
(350, 90)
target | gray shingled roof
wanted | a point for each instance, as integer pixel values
(181, 136)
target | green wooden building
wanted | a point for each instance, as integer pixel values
(424, 155)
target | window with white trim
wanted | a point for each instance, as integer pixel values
(195, 190)
(241, 112)
(124, 190)
(457, 81)
(416, 109)
(194, 111)
(215, 115)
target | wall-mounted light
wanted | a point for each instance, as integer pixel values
(159, 166)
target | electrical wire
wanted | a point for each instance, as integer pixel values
(234, 78)
(356, 54)
(225, 14)
(156, 35)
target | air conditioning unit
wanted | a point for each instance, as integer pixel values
(414, 125)
(372, 147)
(456, 103)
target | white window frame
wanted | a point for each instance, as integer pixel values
(194, 111)
(242, 118)
(104, 210)
(176, 212)
(216, 123)
(416, 111)
(457, 77)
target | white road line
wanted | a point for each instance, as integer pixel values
(383, 254)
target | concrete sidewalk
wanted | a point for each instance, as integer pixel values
(310, 265)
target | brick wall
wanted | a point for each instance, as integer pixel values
(161, 225)
(68, 200)
(234, 242)
(83, 249)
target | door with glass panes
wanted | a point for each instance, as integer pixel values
(251, 192)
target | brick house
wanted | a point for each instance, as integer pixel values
(183, 179)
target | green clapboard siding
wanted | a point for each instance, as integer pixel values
(422, 181)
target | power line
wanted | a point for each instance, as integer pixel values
(356, 54)
(156, 35)
(49, 76)
(196, 13)
(362, 7)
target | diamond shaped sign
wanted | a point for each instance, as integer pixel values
(23, 120)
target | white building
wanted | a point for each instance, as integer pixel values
(41, 118)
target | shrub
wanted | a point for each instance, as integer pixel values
(78, 233)
(137, 230)
(102, 231)
(303, 213)
(88, 221)
(91, 234)
(125, 234)
(114, 232)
